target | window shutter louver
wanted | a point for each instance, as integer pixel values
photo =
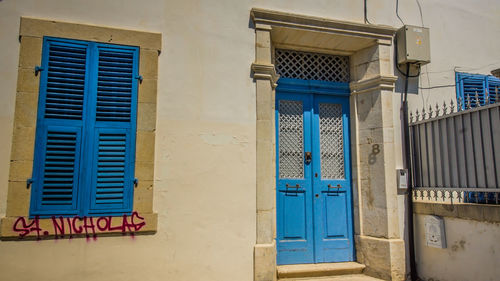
(65, 81)
(468, 85)
(59, 128)
(493, 88)
(114, 89)
(472, 85)
(112, 178)
(60, 169)
(114, 130)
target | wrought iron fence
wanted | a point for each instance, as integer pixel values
(455, 150)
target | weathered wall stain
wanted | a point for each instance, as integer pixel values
(458, 245)
(369, 195)
(70, 226)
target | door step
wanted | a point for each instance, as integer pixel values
(298, 271)
(349, 277)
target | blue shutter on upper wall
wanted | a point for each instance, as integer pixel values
(114, 129)
(85, 137)
(469, 86)
(493, 88)
(60, 124)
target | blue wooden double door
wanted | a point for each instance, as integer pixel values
(314, 212)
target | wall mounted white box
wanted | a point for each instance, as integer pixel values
(413, 43)
(434, 232)
(402, 179)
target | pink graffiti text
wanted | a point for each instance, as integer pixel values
(89, 226)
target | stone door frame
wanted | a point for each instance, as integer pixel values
(376, 224)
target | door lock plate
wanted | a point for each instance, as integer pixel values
(308, 157)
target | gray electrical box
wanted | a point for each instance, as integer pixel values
(413, 45)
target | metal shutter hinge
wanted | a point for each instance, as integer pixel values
(29, 182)
(139, 77)
(136, 182)
(38, 69)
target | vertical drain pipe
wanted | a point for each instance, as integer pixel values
(409, 201)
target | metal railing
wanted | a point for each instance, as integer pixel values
(455, 151)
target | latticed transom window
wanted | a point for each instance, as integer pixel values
(311, 66)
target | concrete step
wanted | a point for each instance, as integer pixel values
(349, 277)
(319, 270)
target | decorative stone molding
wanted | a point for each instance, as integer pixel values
(379, 82)
(380, 34)
(266, 72)
(266, 27)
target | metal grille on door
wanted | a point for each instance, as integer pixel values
(291, 140)
(331, 141)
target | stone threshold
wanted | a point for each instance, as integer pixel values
(350, 277)
(318, 270)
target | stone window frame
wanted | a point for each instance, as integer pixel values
(31, 34)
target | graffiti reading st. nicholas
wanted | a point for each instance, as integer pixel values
(63, 227)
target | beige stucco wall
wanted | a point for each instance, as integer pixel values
(205, 167)
(471, 253)
(205, 141)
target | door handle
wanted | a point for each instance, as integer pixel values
(335, 191)
(308, 157)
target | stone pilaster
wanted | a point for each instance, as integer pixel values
(265, 79)
(378, 242)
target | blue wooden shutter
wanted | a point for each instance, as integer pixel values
(468, 85)
(86, 124)
(114, 129)
(493, 88)
(60, 121)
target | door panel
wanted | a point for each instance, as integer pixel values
(294, 186)
(332, 209)
(314, 216)
(294, 223)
